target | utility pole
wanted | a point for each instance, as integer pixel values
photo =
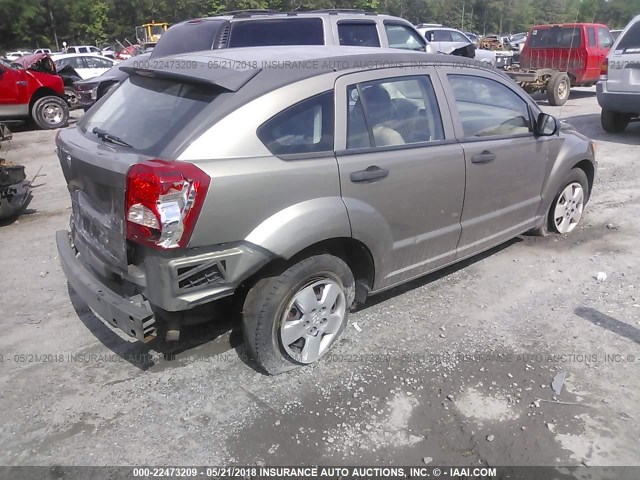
(462, 22)
(53, 25)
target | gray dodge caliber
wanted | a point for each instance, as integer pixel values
(300, 180)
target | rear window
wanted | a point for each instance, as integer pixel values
(277, 31)
(187, 37)
(630, 42)
(556, 37)
(147, 112)
(304, 128)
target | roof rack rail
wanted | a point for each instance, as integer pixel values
(335, 11)
(248, 12)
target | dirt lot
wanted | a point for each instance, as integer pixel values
(453, 369)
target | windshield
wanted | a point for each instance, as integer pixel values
(147, 113)
(556, 37)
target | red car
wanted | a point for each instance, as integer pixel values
(558, 57)
(30, 88)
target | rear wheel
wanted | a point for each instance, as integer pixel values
(294, 318)
(50, 112)
(614, 122)
(558, 89)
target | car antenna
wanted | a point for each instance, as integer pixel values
(573, 35)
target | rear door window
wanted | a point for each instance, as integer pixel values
(488, 108)
(442, 36)
(393, 112)
(359, 34)
(304, 128)
(277, 31)
(401, 36)
(591, 35)
(147, 113)
(630, 42)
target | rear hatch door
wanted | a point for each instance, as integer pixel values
(624, 61)
(136, 122)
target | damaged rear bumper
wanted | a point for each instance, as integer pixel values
(132, 315)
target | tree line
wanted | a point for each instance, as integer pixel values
(42, 23)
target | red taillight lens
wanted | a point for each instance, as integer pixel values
(163, 201)
(604, 69)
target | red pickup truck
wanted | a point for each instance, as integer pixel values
(30, 88)
(558, 57)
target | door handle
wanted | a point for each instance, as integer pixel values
(484, 157)
(371, 173)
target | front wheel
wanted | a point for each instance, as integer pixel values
(50, 112)
(294, 318)
(568, 205)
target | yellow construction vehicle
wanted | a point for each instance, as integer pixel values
(148, 34)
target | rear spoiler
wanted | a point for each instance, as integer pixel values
(220, 73)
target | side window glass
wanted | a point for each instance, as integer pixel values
(488, 108)
(591, 34)
(441, 36)
(77, 62)
(397, 111)
(400, 36)
(358, 34)
(604, 38)
(458, 37)
(306, 127)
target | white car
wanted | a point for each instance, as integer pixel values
(16, 55)
(446, 40)
(618, 90)
(86, 65)
(83, 49)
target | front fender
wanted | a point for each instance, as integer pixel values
(569, 149)
(299, 226)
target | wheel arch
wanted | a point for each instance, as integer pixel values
(40, 93)
(353, 252)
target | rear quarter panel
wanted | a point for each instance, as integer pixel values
(281, 205)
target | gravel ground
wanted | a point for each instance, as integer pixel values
(453, 369)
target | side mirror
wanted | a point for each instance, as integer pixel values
(546, 125)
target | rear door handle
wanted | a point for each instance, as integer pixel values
(484, 157)
(371, 173)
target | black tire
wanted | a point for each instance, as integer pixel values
(614, 122)
(266, 301)
(558, 89)
(43, 116)
(575, 175)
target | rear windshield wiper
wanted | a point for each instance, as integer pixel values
(107, 137)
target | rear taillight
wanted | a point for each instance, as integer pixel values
(163, 201)
(604, 69)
